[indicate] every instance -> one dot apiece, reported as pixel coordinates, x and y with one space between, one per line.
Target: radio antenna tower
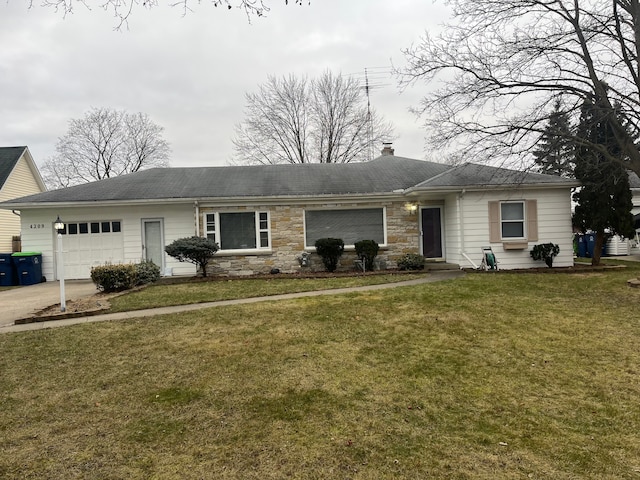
374 77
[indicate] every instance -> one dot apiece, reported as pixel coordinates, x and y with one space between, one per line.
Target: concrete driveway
22 302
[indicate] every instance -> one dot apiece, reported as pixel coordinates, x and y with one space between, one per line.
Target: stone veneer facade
287 239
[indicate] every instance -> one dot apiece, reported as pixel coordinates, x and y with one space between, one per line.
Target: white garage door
91 243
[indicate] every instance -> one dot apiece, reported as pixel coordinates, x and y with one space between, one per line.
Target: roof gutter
481 188
207 200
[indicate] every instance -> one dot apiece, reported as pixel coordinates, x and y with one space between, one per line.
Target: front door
152 242
431 232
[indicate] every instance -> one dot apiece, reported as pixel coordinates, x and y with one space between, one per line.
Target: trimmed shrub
147 272
330 250
546 252
196 250
411 261
114 278
368 251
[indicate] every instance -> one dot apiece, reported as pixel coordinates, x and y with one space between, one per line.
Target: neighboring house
19 176
264 217
634 183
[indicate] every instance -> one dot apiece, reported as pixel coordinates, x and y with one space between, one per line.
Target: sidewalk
430 278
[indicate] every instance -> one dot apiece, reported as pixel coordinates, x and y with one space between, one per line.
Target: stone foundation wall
287 240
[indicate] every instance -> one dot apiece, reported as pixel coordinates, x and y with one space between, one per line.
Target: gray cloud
190 73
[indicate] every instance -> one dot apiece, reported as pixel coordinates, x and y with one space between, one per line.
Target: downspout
15 213
197 206
461 212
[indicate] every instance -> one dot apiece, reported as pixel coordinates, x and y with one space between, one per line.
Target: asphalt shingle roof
385 174
471 174
9 156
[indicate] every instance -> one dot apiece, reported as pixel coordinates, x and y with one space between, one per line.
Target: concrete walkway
432 277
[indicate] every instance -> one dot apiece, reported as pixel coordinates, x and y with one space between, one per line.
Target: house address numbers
36 225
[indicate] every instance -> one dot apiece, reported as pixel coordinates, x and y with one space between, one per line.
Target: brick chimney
387 148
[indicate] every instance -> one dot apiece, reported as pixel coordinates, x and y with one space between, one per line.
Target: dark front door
431 225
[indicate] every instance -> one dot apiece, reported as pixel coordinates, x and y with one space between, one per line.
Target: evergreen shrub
367 250
147 272
546 252
114 278
411 261
196 250
330 250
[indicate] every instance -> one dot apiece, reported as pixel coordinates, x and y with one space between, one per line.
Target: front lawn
217 289
492 376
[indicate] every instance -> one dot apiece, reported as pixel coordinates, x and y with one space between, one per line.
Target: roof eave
505 186
205 200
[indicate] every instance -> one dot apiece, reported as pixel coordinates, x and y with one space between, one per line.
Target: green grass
495 375
162 295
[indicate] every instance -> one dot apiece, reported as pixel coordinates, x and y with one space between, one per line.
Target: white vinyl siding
548 219
178 223
349 225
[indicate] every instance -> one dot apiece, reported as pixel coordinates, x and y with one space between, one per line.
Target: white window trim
350 247
217 234
89 222
524 220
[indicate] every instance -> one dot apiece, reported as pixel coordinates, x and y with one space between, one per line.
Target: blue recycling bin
8 276
590 240
28 267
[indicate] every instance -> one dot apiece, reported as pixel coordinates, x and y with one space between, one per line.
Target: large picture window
350 225
238 230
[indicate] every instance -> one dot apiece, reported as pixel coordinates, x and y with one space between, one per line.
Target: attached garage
91 243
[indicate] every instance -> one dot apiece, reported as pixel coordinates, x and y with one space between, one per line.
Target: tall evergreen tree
604 201
555 152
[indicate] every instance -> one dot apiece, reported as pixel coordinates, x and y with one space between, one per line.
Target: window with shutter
513 221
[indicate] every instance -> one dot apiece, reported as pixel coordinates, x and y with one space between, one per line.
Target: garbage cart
28 267
8 276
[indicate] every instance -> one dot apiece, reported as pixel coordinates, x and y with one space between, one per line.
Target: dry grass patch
490 376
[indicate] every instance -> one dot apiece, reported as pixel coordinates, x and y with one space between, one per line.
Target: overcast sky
190 74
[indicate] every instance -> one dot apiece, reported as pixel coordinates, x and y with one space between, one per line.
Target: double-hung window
512 221
350 225
239 230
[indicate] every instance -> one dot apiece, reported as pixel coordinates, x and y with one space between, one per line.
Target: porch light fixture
59 227
412 208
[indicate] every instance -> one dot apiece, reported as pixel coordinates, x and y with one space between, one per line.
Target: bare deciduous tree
294 120
105 143
504 64
122 10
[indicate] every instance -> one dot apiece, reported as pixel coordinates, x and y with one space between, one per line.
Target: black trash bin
8 275
28 267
